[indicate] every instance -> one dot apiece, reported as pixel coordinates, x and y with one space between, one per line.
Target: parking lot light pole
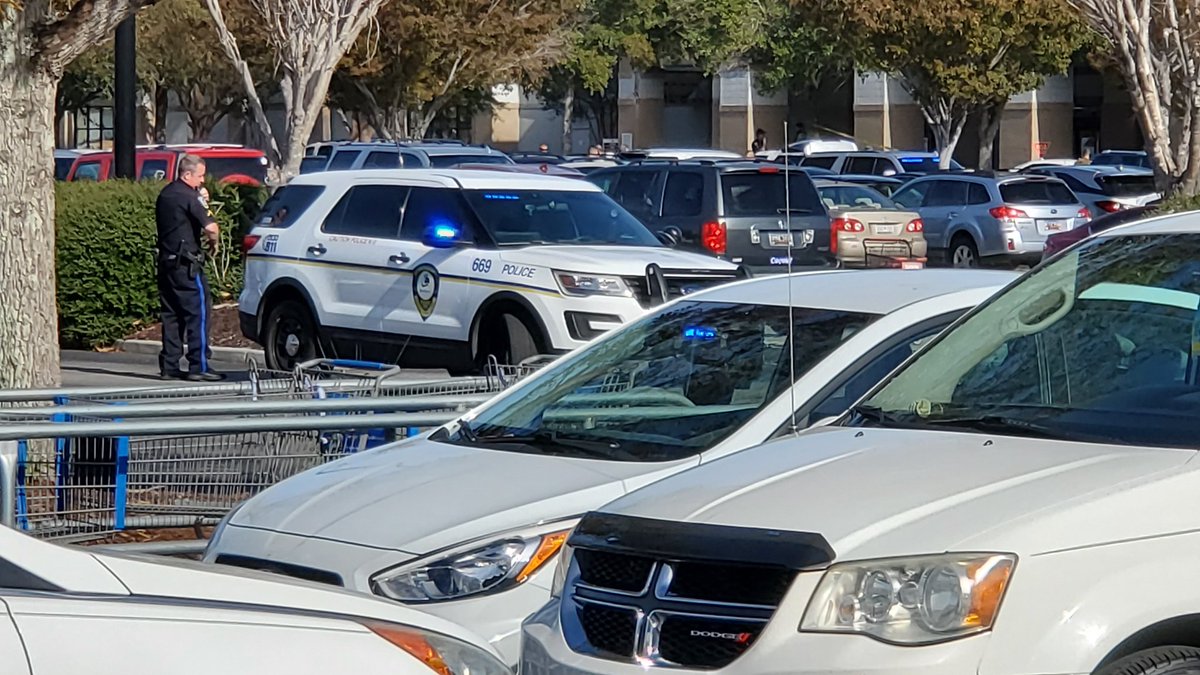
125 99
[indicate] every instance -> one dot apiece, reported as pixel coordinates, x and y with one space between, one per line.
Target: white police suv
444 268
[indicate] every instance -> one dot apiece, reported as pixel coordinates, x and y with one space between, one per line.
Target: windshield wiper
796 210
884 418
1016 426
549 439
466 432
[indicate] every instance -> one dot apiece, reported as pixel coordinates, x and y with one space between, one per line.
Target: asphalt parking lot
120 369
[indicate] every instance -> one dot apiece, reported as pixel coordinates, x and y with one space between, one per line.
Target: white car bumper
781 649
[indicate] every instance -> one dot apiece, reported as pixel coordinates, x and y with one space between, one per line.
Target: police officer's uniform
183 291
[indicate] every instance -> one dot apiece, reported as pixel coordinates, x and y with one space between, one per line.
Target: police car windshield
523 217
669 386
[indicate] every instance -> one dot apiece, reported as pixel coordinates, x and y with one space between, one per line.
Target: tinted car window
912 196
153 169
978 194
223 167
684 194
521 217
344 159
1121 158
764 194
947 193
368 211
863 165
1123 185
429 207
447 161
853 197
381 160
87 171
313 164
1036 192
1094 346
1076 184
287 204
821 162
637 191
925 164
670 386
62 167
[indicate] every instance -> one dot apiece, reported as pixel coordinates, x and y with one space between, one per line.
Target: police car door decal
425 287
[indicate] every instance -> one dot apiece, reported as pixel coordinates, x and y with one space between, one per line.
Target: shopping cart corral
83 464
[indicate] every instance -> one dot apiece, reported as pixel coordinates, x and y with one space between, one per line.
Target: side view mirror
668 238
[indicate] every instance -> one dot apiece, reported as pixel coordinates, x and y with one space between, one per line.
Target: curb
228 356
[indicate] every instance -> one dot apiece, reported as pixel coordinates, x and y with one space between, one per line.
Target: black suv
737 210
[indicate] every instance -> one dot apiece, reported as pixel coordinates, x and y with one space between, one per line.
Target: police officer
184 224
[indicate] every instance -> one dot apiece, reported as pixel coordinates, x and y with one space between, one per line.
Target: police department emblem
425 289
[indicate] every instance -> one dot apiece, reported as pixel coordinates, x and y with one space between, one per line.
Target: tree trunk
989 125
568 115
28 320
162 105
946 132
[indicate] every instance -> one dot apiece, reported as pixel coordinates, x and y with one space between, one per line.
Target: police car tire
508 338
1173 660
299 313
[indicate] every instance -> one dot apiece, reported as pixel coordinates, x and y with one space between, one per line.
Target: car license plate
886 229
1054 225
912 265
780 239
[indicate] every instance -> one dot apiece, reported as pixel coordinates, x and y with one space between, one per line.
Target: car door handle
399 259
953 214
317 250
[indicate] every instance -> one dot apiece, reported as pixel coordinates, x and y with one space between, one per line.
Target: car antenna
791 326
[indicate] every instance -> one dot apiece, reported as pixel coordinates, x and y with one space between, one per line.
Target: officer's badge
425 289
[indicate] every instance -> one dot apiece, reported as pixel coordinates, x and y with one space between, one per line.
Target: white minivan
467 522
1022 497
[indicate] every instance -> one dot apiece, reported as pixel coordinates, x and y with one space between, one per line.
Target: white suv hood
421 496
882 492
619 260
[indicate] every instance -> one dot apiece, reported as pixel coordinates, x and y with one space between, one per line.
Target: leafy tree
88 78
956 57
307 40
426 55
1155 46
648 33
38 39
175 53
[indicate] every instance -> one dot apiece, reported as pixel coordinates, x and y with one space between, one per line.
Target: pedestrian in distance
185 228
760 141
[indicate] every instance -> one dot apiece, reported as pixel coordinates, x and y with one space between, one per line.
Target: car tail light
1084 214
1007 213
1110 207
769 169
917 225
842 225
249 241
712 236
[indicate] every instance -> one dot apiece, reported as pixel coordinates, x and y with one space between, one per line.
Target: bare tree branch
87 23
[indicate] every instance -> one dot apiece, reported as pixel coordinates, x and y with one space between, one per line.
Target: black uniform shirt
180 217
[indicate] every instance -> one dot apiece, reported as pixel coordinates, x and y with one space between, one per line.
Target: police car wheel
290 335
508 338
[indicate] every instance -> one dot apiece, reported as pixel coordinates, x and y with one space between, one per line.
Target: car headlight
560 573
443 654
592 284
501 564
911 600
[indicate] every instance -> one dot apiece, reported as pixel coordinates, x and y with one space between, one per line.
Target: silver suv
969 217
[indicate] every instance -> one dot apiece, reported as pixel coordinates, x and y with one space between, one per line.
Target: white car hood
882 492
186 581
422 495
620 260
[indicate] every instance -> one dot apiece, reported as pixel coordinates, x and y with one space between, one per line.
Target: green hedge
106 236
